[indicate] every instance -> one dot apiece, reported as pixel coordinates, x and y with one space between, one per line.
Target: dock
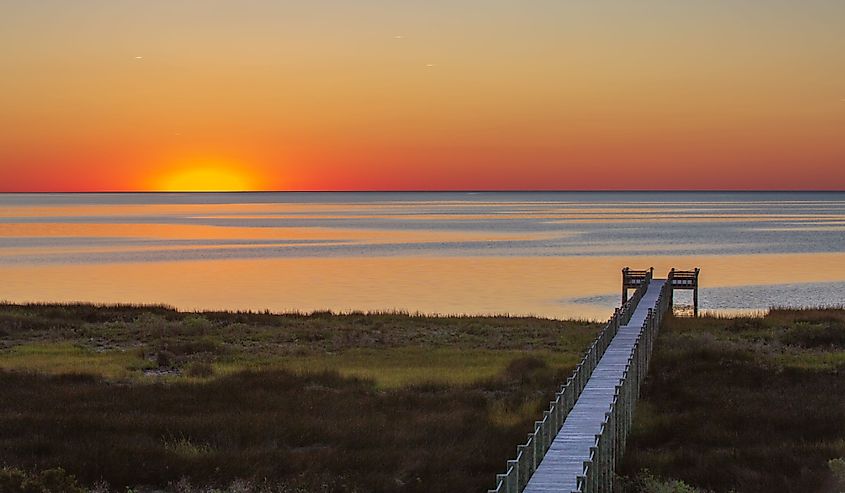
581 439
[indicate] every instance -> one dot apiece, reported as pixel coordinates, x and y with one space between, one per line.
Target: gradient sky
437 94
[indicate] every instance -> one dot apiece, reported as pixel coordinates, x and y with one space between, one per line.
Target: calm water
550 254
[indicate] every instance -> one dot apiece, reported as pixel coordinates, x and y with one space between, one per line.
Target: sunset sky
422 95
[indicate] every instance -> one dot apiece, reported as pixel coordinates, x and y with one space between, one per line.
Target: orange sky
339 95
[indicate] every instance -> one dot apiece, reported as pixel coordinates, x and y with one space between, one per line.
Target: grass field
752 405
157 343
147 397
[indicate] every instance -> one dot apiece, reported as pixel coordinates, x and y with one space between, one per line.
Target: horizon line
597 190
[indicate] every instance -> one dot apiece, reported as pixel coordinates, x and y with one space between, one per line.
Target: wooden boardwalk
564 461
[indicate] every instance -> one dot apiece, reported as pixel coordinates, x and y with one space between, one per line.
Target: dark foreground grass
745 404
233 413
318 432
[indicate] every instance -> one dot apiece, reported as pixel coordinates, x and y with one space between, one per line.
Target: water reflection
546 286
555 255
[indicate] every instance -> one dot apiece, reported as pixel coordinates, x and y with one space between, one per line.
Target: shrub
185 448
13 480
203 345
646 482
151 325
651 484
199 369
837 467
527 369
195 325
815 335
724 412
164 359
525 365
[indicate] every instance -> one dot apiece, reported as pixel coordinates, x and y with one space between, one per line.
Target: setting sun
208 178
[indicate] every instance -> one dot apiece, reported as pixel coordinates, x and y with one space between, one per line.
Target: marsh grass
288 428
393 349
418 365
59 358
396 402
750 405
319 402
185 448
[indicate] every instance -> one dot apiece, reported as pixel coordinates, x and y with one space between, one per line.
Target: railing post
624 285
560 409
588 476
523 466
608 419
513 476
600 461
533 461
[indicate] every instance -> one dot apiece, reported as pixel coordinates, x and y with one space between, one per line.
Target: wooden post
624 285
523 465
587 467
671 289
695 294
533 461
513 476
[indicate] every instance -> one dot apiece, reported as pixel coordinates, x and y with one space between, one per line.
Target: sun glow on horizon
211 177
421 96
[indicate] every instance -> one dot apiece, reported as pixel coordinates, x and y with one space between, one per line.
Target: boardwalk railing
529 455
607 451
686 279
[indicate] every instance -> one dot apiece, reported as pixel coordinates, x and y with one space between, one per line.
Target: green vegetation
150 398
646 483
393 349
14 480
404 366
61 358
837 467
743 404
